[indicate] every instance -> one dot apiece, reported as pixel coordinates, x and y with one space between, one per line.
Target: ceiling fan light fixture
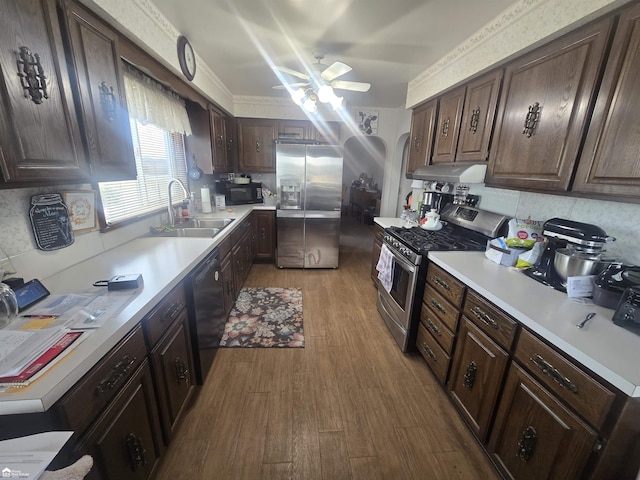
310 105
297 95
336 102
326 94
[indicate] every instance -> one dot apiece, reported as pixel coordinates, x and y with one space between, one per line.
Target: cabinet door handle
220 142
531 120
31 73
445 127
416 143
470 375
484 318
182 372
173 310
108 101
118 372
527 443
137 452
428 351
438 281
230 144
432 326
437 306
475 117
257 147
550 371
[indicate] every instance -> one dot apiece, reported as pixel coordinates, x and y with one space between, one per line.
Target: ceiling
387 42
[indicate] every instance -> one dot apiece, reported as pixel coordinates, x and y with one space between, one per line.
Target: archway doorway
364 158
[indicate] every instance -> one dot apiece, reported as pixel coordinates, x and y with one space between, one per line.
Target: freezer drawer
290 243
322 242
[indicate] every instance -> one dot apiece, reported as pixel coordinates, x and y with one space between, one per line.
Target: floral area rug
265 317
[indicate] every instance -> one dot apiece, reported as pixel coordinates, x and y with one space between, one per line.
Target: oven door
398 301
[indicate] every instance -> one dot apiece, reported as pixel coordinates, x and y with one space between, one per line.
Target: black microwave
240 193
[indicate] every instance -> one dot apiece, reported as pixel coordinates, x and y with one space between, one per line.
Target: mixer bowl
569 263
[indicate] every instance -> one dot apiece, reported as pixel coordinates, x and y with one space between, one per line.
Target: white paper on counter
28 457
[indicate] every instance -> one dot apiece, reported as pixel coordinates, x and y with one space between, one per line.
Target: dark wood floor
349 405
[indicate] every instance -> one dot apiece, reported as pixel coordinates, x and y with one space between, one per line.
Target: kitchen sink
218 223
200 228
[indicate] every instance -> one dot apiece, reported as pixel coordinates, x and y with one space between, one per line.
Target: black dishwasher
206 313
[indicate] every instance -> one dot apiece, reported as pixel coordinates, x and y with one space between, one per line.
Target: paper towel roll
206 200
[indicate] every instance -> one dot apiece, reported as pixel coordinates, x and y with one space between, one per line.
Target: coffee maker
559 233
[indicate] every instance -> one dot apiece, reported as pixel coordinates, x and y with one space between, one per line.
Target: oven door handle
402 261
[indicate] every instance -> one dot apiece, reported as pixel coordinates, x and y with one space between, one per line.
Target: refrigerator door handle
290 213
322 214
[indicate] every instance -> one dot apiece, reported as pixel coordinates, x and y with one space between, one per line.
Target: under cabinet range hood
473 173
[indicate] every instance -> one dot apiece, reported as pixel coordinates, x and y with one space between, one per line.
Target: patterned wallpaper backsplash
619 220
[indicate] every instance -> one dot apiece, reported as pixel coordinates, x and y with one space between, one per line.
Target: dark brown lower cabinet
378 232
476 377
172 363
125 441
535 436
265 234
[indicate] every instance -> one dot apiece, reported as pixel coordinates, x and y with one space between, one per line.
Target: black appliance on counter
560 233
612 282
239 193
464 229
207 317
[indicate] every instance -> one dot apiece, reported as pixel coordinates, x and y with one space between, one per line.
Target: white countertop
163 263
386 222
608 350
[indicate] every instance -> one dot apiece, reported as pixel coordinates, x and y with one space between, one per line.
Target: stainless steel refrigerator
309 202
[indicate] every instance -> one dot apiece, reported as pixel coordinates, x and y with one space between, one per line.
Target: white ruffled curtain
150 102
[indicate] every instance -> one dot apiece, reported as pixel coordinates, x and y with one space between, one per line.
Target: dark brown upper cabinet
255 138
293 130
448 128
40 138
95 58
478 116
544 110
222 156
610 163
423 120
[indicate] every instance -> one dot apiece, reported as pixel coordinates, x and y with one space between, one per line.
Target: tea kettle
431 221
8 305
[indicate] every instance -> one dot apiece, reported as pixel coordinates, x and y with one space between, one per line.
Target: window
158 119
159 157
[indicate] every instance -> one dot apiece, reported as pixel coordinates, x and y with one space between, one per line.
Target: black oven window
400 287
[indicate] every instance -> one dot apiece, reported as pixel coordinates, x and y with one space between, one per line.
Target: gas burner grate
450 237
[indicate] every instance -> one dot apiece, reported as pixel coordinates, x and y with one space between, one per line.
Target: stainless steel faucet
172 213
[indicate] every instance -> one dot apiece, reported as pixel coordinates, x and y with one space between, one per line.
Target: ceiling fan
319 83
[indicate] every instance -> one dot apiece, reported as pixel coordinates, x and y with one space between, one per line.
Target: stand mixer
580 239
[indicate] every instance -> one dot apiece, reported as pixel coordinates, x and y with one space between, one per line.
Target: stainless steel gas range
465 229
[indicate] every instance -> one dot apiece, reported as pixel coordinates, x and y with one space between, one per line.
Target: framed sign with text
82 210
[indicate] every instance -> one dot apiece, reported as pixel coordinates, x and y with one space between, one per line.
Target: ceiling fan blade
334 70
290 71
347 85
291 85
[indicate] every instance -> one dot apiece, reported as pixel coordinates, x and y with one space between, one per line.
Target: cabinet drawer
238 233
437 329
435 356
89 396
445 284
582 392
224 248
492 321
162 316
441 307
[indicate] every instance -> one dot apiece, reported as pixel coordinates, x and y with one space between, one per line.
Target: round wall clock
186 57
